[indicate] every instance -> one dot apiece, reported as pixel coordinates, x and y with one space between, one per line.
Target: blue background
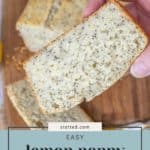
131 140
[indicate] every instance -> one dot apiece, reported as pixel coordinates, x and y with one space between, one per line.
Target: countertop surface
1 85
2 115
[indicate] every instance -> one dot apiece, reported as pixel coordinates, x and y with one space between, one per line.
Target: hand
140 10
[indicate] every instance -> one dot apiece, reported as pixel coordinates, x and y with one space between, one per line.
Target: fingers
141 18
141 67
144 21
133 10
92 6
145 5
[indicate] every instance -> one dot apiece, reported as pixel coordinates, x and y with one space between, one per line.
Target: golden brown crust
82 111
101 8
35 12
12 96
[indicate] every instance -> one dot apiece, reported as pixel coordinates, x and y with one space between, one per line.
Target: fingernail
139 70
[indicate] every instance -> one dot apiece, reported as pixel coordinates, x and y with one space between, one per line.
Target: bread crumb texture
22 98
86 61
17 57
43 21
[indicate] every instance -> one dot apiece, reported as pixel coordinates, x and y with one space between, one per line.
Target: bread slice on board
42 21
86 61
23 100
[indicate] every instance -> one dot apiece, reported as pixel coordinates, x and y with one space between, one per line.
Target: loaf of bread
42 21
86 61
23 100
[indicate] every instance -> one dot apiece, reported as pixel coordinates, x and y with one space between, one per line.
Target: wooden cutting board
127 101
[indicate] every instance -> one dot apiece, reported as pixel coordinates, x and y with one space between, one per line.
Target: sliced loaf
42 21
87 60
23 100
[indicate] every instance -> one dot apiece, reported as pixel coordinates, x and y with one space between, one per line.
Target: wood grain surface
127 101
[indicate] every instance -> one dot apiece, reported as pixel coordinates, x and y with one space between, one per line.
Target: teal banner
105 140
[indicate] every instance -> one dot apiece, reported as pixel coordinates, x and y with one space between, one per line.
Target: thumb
145 5
141 67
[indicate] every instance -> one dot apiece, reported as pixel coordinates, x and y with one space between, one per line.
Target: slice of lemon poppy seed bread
24 101
42 21
86 61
